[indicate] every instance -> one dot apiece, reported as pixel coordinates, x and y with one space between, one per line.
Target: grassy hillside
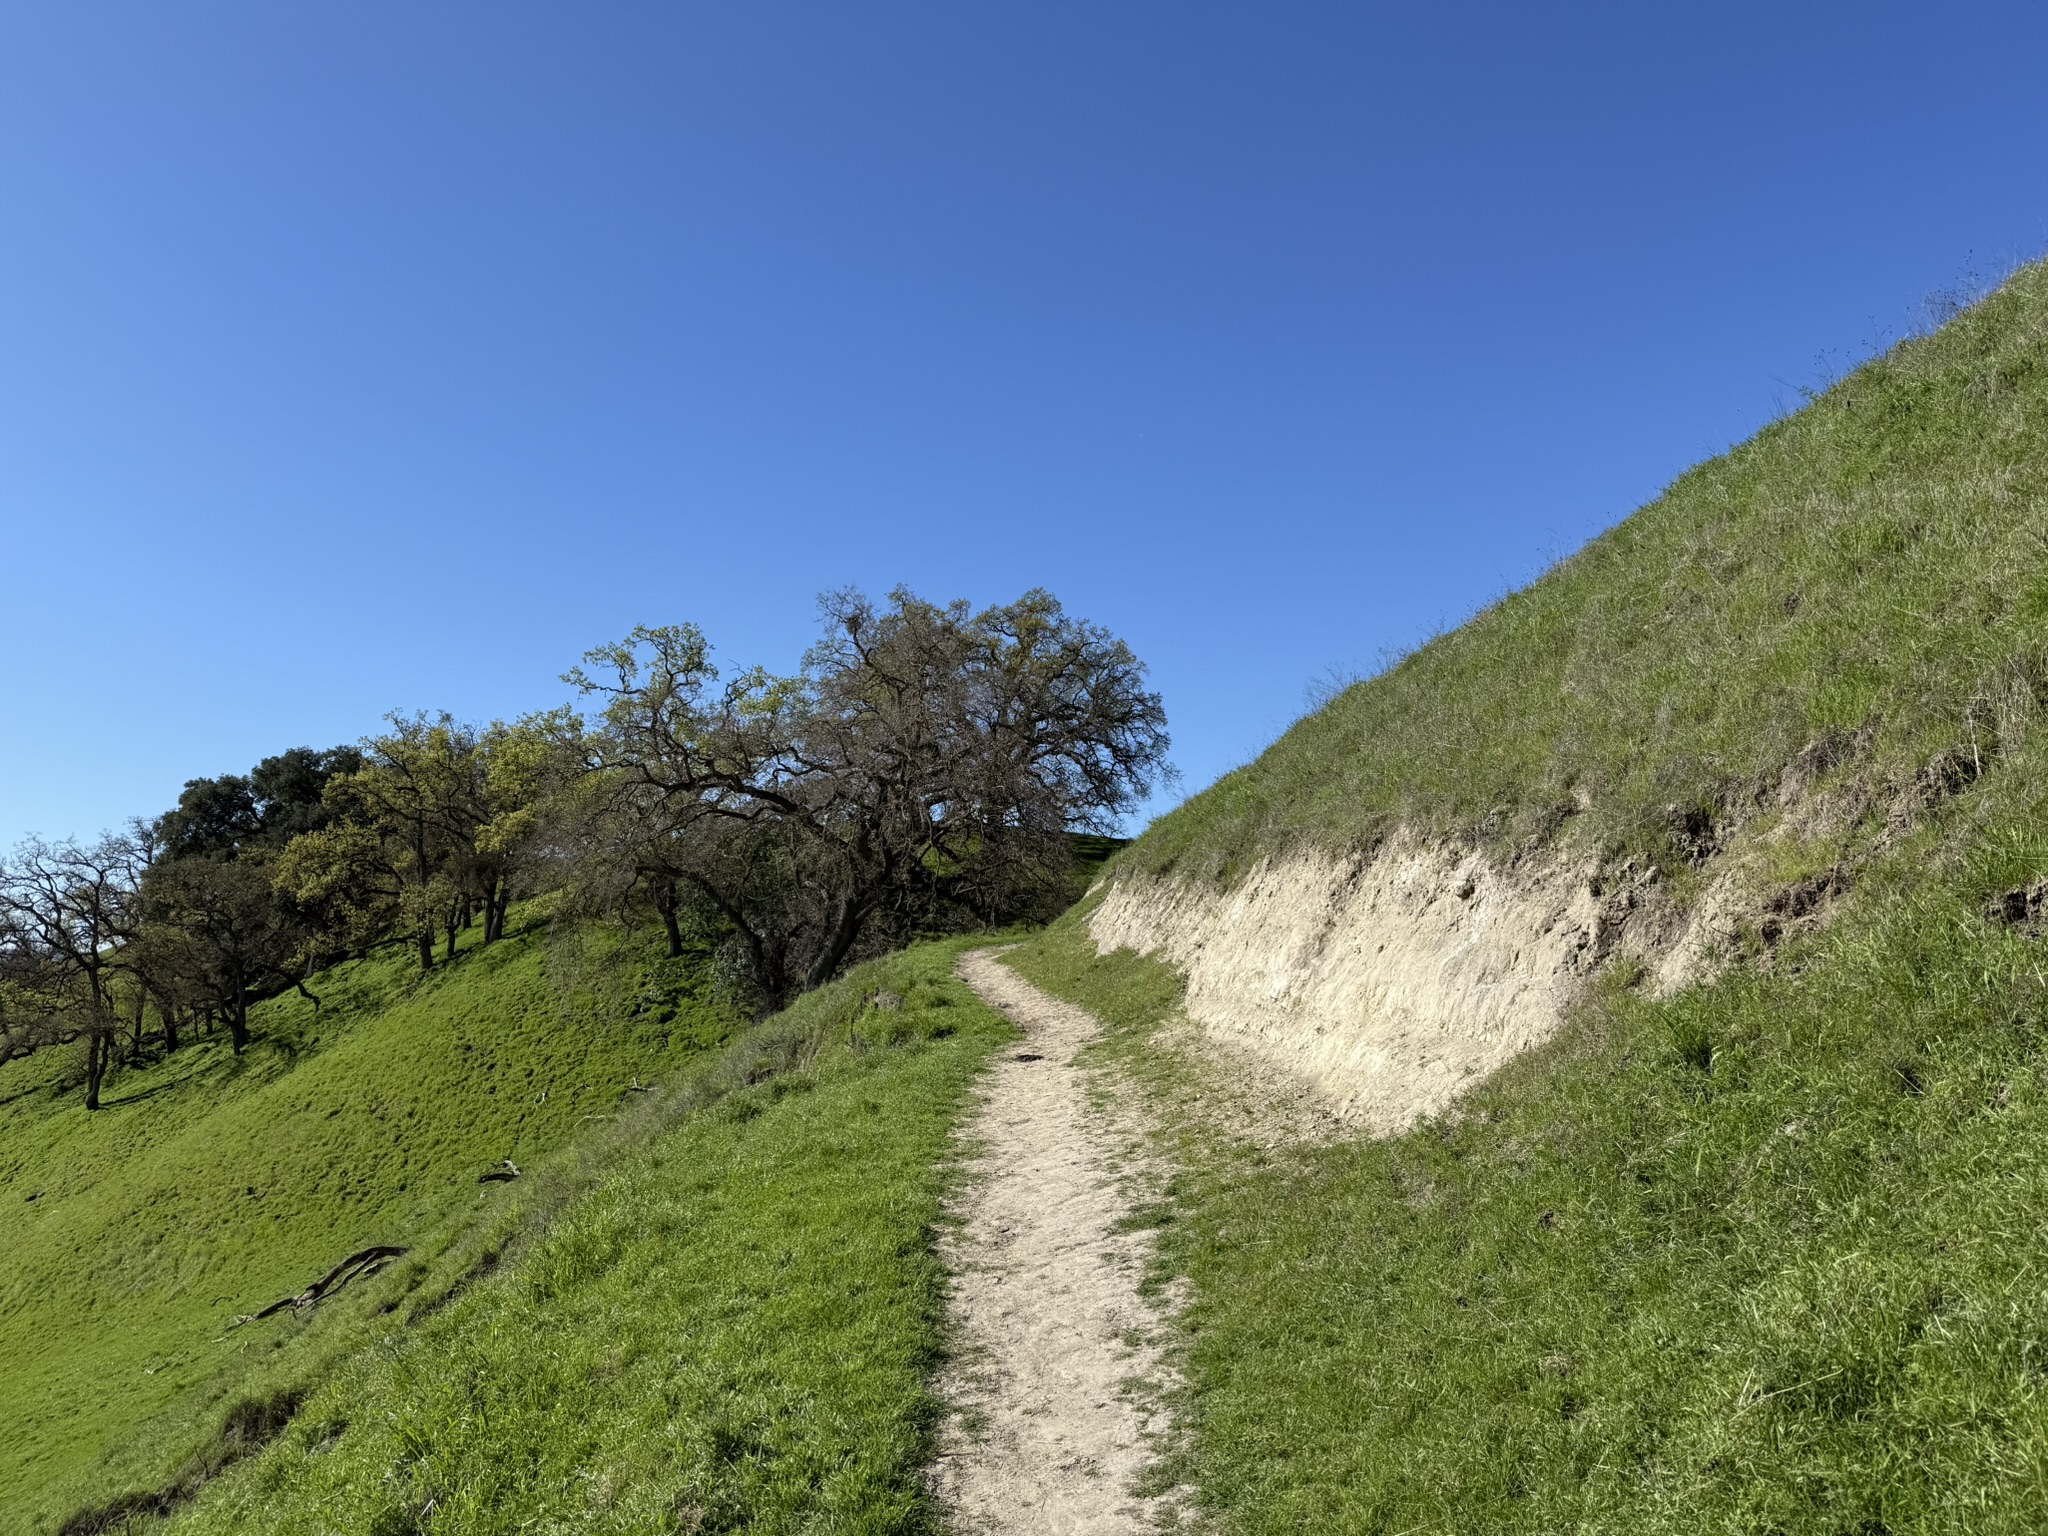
708 1305
140 1240
731 1330
1768 1255
211 1186
1869 576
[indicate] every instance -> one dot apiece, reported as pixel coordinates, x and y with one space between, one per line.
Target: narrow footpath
1054 1397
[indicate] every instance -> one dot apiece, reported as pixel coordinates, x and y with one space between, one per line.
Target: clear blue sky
372 356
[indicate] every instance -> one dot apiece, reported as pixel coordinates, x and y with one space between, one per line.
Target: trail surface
1054 1396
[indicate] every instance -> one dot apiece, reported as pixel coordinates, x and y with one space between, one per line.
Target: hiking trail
1055 1394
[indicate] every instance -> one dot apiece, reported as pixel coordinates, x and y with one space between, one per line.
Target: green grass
211 1186
732 1329
1872 570
1767 1256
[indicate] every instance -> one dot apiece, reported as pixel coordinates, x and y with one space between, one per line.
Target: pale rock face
1386 983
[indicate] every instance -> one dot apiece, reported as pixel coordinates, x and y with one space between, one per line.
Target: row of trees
176 915
922 772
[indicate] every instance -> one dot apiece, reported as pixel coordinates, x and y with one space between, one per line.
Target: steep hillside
709 1302
1866 573
1680 744
731 1328
1677 924
140 1239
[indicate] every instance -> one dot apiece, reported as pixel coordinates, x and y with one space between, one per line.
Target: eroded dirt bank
1387 981
1054 1396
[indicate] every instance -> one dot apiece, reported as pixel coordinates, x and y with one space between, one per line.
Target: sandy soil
1055 1392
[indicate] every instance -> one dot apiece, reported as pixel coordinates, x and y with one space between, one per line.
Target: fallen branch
357 1266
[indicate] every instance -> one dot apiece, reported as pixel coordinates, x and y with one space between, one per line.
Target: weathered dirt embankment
1391 980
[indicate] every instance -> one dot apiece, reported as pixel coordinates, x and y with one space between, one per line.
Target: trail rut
1055 1394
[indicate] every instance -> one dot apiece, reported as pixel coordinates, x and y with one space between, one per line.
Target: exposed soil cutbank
1389 981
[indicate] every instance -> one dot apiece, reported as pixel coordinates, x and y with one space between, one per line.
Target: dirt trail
1054 1395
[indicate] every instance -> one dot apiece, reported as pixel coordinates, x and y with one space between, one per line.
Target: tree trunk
666 903
427 947
496 900
767 963
238 1009
168 1014
98 1046
238 1021
845 929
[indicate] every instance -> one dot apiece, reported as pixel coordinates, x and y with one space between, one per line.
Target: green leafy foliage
922 775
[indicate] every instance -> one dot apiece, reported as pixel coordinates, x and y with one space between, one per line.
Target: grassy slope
1765 1256
1876 560
732 1330
1771 1256
210 1186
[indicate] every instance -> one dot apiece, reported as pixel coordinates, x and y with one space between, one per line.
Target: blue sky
367 357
